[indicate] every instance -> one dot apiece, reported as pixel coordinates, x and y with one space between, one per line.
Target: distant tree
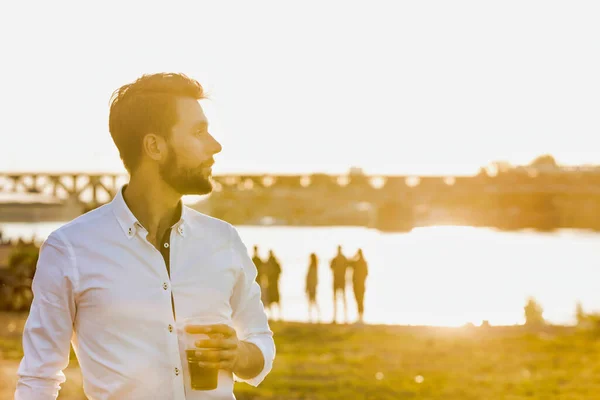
534 313
23 260
544 161
21 269
586 320
500 167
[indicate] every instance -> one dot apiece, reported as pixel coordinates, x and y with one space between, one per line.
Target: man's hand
225 351
221 351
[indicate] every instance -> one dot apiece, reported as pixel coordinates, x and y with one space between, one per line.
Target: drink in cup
197 377
201 378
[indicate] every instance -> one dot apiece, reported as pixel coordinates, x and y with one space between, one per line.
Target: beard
186 181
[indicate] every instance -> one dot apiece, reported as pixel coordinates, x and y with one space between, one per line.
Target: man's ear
155 146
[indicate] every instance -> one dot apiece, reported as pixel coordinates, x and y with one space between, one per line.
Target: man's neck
154 204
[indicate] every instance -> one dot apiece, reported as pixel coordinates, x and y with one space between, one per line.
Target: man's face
187 168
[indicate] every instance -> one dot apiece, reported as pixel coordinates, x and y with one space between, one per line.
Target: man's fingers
216 344
208 355
224 365
215 356
197 328
216 365
220 328
205 364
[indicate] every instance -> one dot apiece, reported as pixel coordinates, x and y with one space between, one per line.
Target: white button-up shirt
103 287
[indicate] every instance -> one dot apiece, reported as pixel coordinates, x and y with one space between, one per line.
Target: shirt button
165 286
170 328
176 371
166 245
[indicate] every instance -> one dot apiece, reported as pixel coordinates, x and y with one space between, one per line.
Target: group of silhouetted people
267 278
269 272
339 267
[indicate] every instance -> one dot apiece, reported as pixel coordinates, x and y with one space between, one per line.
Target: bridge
242 197
88 188
97 188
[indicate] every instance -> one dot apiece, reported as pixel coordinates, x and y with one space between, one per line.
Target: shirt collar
129 222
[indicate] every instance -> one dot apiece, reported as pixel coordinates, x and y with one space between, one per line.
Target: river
443 275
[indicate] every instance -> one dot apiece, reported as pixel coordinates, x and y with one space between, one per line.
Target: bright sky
393 87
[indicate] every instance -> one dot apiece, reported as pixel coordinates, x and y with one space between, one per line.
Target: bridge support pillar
394 216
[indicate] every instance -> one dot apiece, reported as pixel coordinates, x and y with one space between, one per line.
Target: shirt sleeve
249 318
49 327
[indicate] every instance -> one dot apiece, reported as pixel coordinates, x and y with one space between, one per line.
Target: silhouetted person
273 271
360 271
311 287
261 277
258 264
339 264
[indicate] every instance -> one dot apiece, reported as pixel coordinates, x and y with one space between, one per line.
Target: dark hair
147 105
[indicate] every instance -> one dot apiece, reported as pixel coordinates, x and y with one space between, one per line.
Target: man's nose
216 146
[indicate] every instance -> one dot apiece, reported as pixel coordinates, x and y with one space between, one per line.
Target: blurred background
454 143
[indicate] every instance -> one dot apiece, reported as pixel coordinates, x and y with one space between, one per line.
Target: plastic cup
197 377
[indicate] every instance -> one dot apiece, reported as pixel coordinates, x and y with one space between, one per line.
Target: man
312 280
115 280
273 272
360 271
339 265
258 264
261 277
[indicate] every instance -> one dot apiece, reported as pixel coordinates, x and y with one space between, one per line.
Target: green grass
385 362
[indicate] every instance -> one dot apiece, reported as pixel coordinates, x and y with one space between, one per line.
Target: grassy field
388 362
